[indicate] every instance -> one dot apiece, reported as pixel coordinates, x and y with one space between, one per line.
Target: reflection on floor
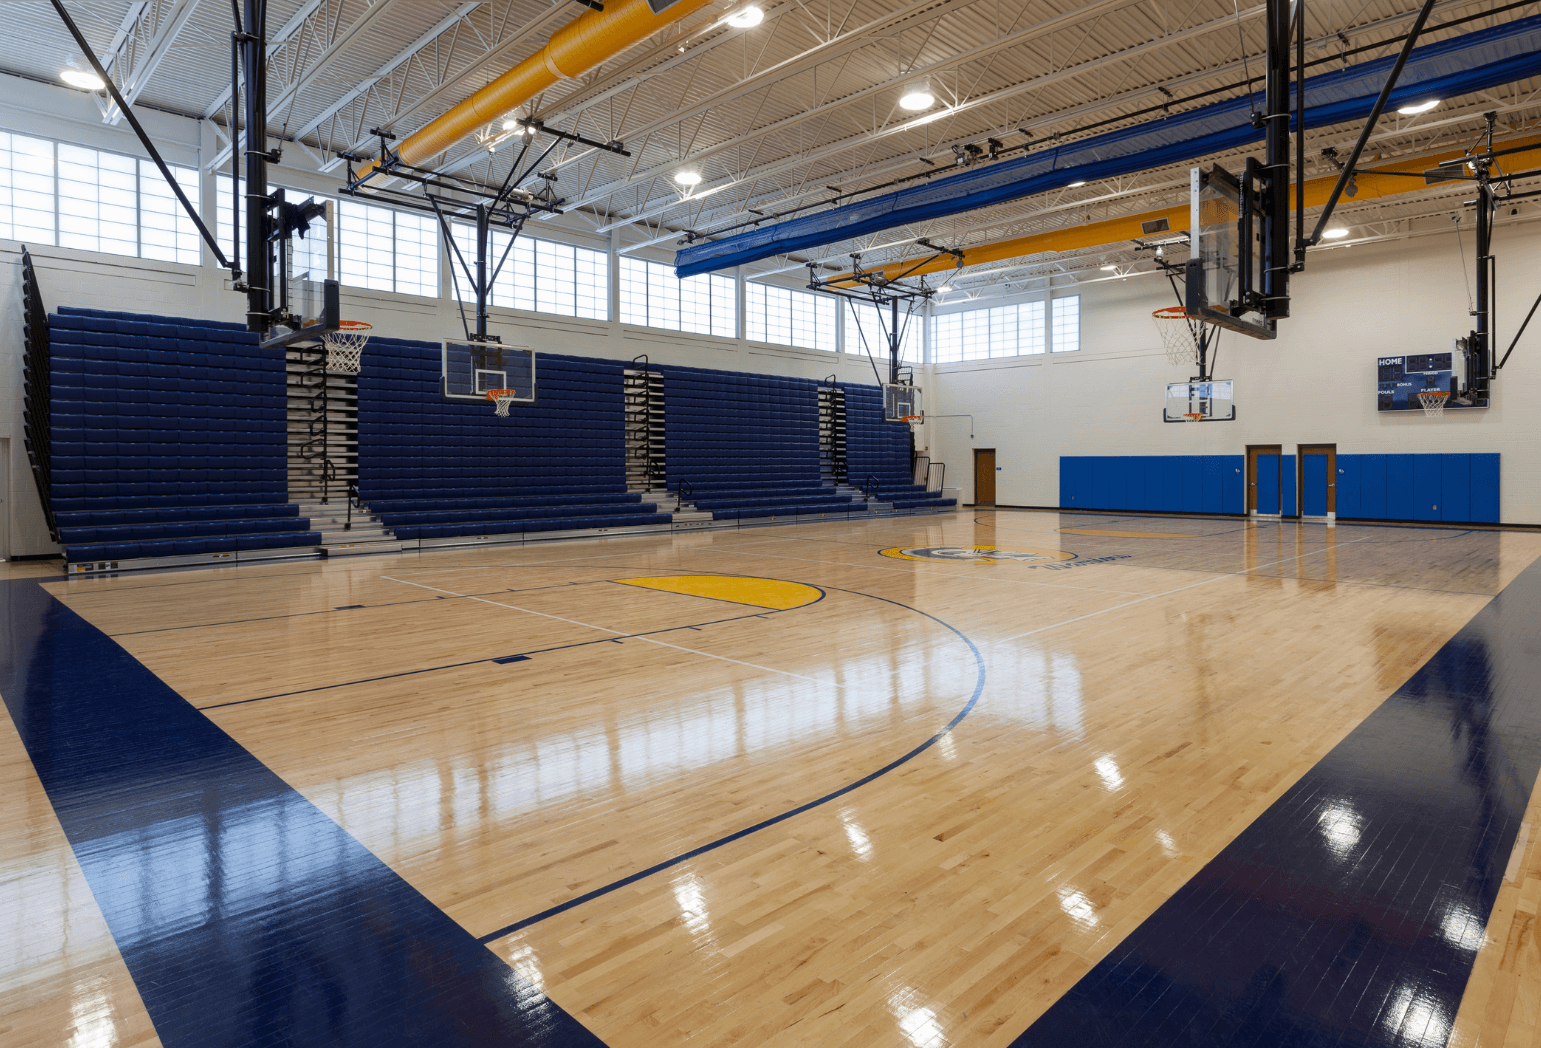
704 790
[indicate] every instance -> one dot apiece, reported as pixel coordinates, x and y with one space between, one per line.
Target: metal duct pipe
1373 183
580 45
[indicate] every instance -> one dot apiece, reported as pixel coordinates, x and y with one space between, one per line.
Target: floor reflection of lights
1078 907
691 897
861 844
1416 1020
1107 768
1340 826
917 1022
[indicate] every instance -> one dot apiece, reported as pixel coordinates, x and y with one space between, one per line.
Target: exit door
1264 495
1319 480
984 476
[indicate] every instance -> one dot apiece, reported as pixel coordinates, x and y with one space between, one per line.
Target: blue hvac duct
1446 69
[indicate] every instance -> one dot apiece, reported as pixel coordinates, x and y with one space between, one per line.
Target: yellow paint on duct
573 50
1095 234
736 589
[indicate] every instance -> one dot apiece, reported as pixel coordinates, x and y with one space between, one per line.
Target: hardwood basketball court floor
994 778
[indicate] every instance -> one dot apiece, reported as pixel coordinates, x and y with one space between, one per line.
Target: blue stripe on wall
245 915
1350 912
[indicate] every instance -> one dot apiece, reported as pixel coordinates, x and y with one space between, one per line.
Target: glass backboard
1213 401
471 369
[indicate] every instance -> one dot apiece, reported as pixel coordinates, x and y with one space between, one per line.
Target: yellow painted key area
736 589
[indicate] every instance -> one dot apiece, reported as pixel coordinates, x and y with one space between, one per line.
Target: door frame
977 452
1253 450
1331 451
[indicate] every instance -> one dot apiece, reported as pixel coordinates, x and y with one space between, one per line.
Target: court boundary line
979 685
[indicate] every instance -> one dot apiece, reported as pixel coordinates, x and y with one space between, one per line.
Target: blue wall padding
1460 65
1459 488
1152 483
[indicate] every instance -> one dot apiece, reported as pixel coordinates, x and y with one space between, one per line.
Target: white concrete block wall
1314 384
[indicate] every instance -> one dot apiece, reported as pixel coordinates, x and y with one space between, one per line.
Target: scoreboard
1399 380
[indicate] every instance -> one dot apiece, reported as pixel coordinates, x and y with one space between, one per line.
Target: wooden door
1264 494
1318 467
984 476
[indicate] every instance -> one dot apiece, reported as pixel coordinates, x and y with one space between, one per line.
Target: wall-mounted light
688 177
748 18
82 79
917 97
1419 107
1335 233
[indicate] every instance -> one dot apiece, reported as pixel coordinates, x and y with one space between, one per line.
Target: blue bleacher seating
168 438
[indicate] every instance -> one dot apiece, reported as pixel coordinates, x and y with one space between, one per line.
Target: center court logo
977 554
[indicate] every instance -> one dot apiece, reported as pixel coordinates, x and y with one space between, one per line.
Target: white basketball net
345 347
1433 404
1177 337
502 406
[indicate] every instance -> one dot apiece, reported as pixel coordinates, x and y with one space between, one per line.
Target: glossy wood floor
1133 708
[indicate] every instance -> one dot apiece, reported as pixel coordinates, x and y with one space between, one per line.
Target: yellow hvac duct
1371 184
573 50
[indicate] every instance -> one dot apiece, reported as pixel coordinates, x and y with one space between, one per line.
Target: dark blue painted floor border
245 915
1350 912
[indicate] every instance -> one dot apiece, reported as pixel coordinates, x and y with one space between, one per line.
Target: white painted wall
1314 384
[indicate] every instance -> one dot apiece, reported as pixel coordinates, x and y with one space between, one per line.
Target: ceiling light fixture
1075 185
1110 269
917 98
688 177
1420 107
1336 233
748 18
942 289
82 79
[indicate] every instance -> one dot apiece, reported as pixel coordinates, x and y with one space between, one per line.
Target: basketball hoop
1433 403
502 398
1193 416
345 347
1177 335
912 419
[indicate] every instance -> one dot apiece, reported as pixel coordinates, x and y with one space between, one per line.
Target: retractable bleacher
878 454
441 471
168 443
747 446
